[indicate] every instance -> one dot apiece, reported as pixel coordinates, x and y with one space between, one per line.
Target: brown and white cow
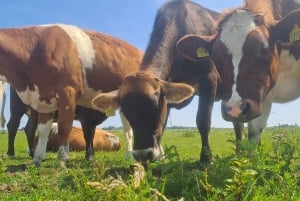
103 140
167 79
56 67
88 118
256 52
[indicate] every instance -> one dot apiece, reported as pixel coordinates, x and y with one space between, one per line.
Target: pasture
270 173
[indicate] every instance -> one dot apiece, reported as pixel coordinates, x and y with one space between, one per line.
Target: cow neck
16 46
161 48
158 56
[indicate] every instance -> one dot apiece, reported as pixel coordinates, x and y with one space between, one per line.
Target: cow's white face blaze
247 76
246 59
229 36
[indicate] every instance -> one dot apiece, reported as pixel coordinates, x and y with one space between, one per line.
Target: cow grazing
89 120
166 79
57 67
256 52
103 140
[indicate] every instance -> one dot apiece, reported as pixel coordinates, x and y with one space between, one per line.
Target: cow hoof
63 153
31 153
89 158
63 164
37 162
10 156
10 153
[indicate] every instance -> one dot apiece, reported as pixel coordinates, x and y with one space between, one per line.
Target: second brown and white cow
256 51
56 67
88 118
166 79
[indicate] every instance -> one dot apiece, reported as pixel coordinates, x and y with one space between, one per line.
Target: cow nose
236 111
143 155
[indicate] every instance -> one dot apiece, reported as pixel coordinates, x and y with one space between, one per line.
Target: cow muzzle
150 154
241 111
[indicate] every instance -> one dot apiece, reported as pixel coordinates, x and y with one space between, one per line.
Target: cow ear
287 29
107 103
176 93
194 47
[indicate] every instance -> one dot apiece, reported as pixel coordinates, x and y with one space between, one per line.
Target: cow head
245 53
143 99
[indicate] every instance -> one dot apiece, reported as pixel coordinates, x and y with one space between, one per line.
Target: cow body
256 51
88 118
146 97
56 67
103 140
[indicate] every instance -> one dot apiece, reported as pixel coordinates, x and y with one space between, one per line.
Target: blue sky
130 20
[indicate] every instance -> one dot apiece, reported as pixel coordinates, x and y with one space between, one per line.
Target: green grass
271 172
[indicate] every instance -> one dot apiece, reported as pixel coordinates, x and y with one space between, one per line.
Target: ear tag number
202 52
295 34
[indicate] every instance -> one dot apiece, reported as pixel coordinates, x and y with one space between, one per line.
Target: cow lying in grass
103 140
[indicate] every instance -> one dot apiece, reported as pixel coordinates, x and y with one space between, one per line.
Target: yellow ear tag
295 34
202 52
110 112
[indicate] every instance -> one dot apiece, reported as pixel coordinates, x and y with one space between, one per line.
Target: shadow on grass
16 168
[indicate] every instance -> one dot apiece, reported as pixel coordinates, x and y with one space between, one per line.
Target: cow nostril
244 107
227 108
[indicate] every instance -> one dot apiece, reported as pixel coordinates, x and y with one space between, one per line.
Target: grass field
271 172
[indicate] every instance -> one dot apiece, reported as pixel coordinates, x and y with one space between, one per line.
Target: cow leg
89 120
17 110
89 133
256 126
12 127
44 126
66 105
30 129
203 121
239 134
128 136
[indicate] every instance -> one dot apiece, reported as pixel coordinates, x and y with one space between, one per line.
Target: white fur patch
113 140
87 56
54 128
3 78
234 33
287 86
32 98
297 1
128 136
83 43
43 132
